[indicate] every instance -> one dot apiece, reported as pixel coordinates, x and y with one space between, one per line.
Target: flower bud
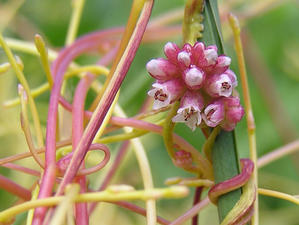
184 58
222 64
193 78
233 113
171 51
211 55
161 69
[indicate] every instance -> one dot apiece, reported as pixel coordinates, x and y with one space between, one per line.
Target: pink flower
196 75
214 113
189 111
162 69
166 92
226 112
219 85
233 113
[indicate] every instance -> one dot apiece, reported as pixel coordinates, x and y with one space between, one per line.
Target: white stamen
189 115
161 96
224 86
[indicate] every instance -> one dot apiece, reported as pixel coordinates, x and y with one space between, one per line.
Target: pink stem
233 183
139 210
84 44
192 212
196 200
138 124
78 127
118 159
14 188
21 169
107 99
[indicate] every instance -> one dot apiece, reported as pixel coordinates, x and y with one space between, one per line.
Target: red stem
107 99
196 200
233 183
14 188
84 44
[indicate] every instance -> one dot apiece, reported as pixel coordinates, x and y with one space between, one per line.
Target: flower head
196 75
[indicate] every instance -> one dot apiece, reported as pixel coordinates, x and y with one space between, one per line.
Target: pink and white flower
214 113
166 93
196 75
189 111
219 85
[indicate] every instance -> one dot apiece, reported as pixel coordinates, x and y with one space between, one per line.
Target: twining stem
224 151
61 210
192 212
107 98
171 192
94 69
248 108
136 9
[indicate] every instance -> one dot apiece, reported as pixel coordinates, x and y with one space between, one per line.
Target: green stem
225 164
224 151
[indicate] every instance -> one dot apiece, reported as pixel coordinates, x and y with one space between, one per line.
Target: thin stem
139 210
61 210
21 169
168 130
171 192
75 20
137 6
196 200
248 108
94 69
277 194
41 47
24 83
278 153
145 171
191 212
107 98
11 187
26 128
10 9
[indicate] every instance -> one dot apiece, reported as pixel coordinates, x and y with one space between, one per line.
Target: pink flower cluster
203 83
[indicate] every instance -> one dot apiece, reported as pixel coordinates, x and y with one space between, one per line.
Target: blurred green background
271 42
